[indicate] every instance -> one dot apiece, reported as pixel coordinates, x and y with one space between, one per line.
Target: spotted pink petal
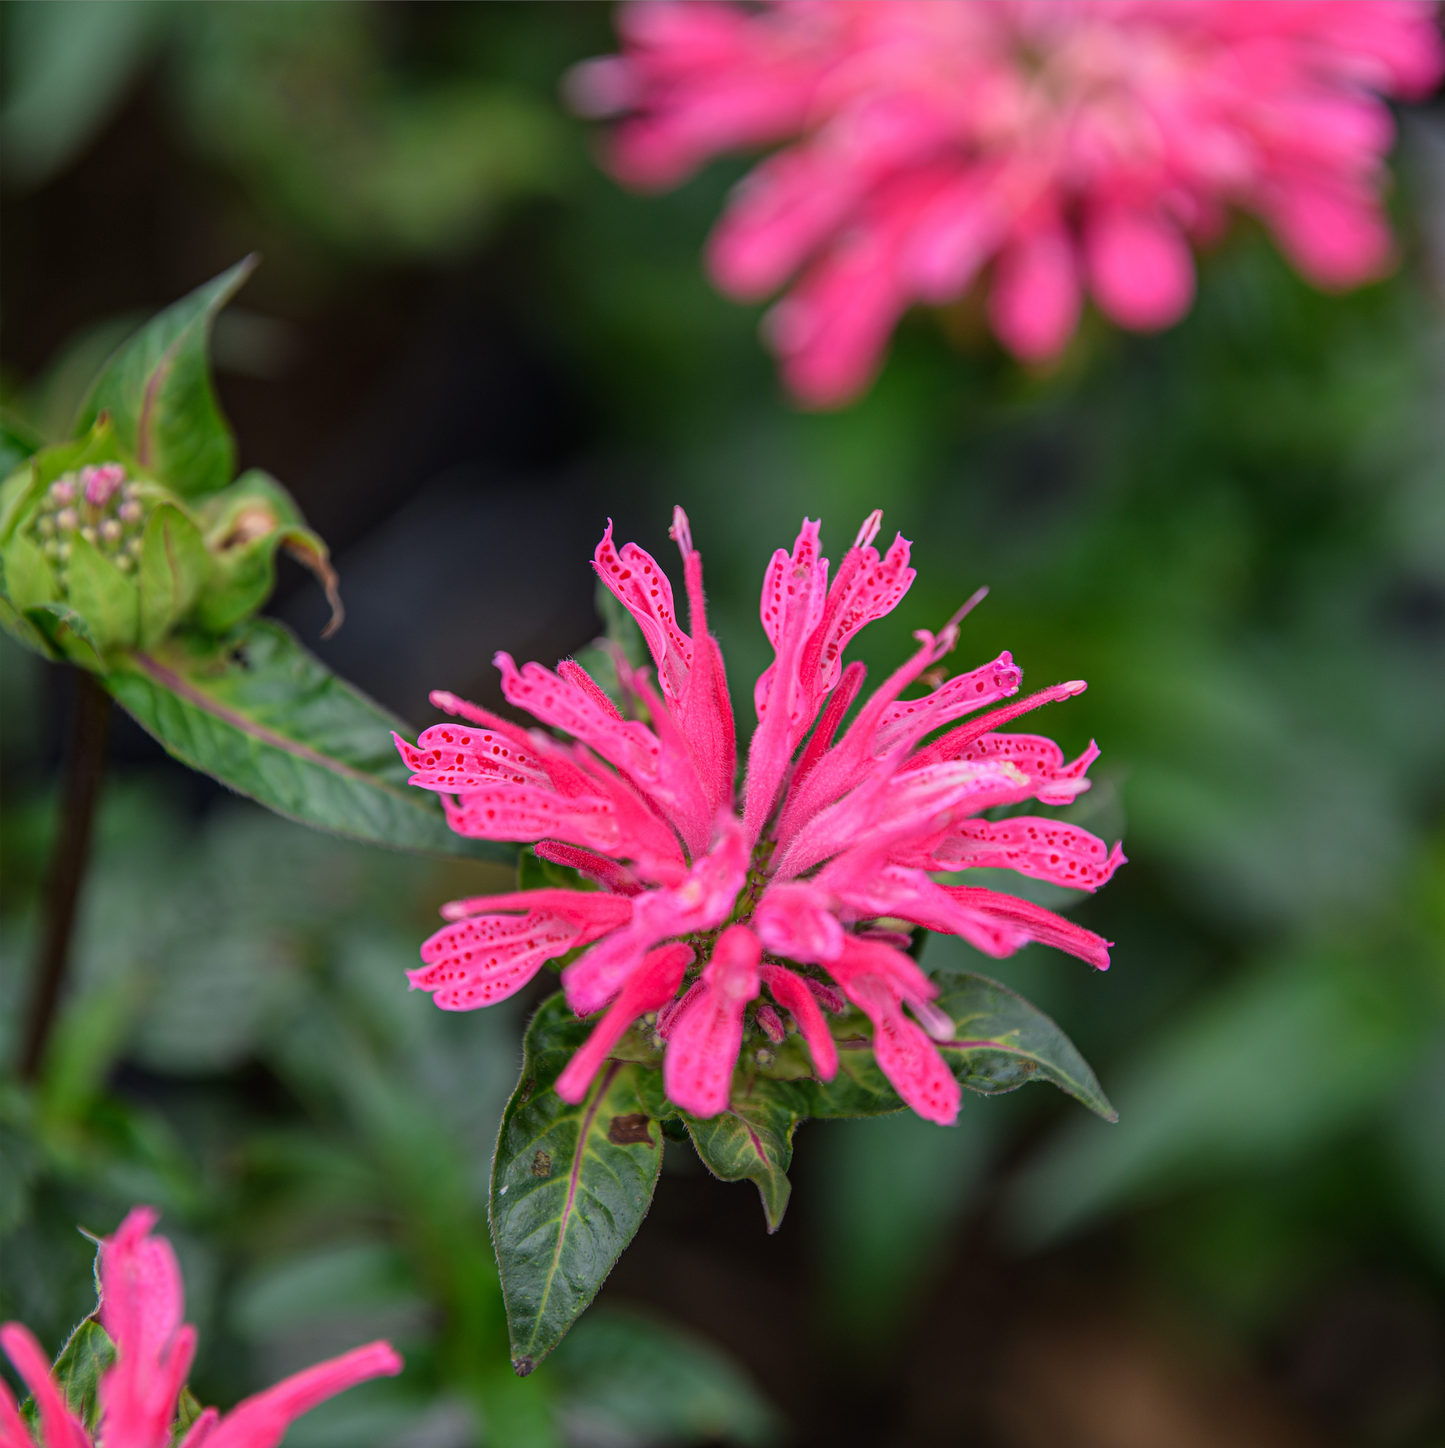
651 985
483 958
1034 922
905 1054
642 588
703 1046
1045 849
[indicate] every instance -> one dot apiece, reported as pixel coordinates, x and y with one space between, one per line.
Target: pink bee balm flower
729 915
141 1301
1071 144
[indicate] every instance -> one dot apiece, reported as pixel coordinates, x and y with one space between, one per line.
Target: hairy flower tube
730 913
1071 145
141 1302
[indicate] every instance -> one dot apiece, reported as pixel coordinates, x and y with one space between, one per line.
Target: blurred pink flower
141 1302
838 829
1070 143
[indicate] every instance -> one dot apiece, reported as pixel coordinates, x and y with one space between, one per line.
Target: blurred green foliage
1235 531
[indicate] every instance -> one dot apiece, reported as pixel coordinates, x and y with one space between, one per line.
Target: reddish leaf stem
84 772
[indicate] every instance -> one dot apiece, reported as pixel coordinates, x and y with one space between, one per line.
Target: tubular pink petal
796 921
617 879
839 702
956 741
13 1432
703 1045
1040 924
1034 302
904 1053
793 994
261 1421
653 984
1140 269
201 1430
59 1428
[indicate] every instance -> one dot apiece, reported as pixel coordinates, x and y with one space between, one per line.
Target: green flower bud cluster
100 503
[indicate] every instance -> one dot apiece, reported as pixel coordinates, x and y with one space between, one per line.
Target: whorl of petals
805 886
1069 147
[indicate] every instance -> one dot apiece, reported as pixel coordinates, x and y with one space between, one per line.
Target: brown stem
84 771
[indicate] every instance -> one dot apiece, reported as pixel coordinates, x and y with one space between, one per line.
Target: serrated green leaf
257 712
1003 1042
173 565
29 579
570 1184
103 596
753 1141
157 391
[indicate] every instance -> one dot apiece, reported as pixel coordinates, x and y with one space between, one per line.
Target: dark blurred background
466 349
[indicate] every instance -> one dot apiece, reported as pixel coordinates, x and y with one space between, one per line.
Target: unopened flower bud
66 519
101 483
131 511
62 491
45 525
111 531
89 533
125 563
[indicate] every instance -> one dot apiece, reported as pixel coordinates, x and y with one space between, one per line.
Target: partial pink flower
719 915
1070 145
141 1302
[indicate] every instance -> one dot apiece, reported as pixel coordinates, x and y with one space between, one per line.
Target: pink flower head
727 915
141 1302
1071 144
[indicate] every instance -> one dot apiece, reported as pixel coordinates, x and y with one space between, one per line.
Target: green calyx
99 557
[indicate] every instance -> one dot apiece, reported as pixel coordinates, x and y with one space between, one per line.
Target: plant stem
84 771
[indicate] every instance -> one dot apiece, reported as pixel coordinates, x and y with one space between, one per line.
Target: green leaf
753 1141
570 1184
88 1352
103 596
257 712
1003 1042
29 579
157 391
173 565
